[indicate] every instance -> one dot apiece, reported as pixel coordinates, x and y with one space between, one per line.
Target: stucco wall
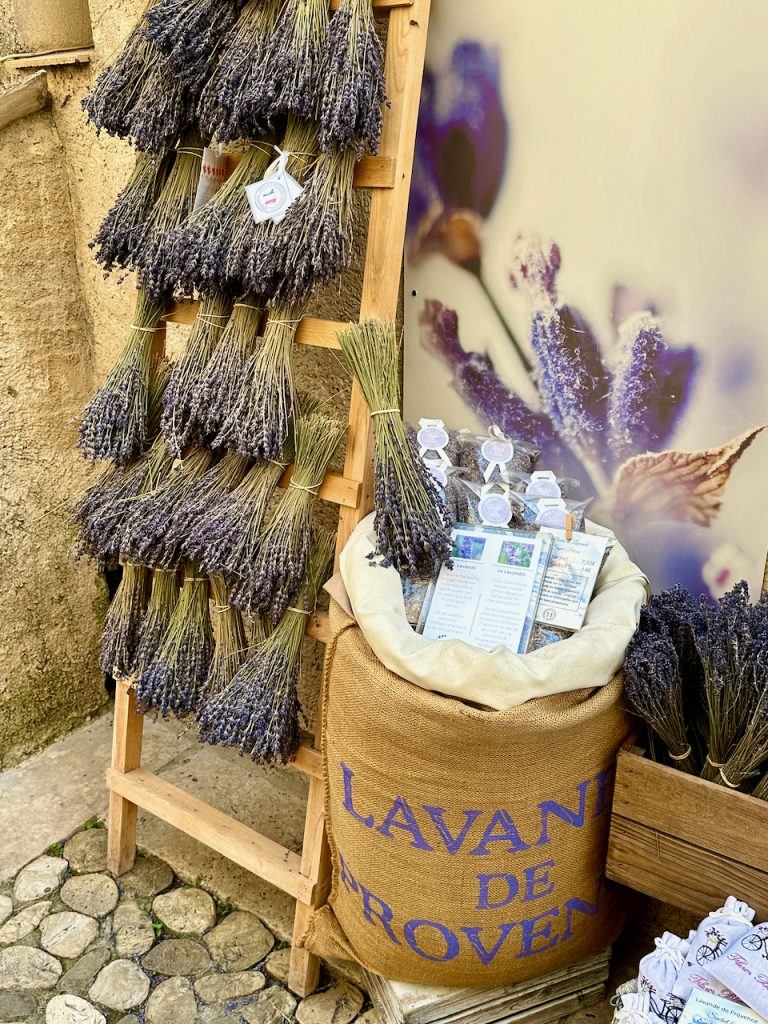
82 174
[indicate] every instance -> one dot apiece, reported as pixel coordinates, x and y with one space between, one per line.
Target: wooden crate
686 841
536 1001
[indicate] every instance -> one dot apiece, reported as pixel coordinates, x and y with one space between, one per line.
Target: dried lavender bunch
173 206
172 682
314 242
353 86
262 416
750 753
120 638
203 497
654 687
227 539
411 523
109 104
224 108
146 536
208 247
288 79
259 710
122 228
114 422
286 539
220 381
179 423
726 648
190 32
162 603
230 644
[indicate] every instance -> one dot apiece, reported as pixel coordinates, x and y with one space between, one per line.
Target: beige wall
57 180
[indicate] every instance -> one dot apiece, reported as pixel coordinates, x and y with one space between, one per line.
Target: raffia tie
681 757
312 489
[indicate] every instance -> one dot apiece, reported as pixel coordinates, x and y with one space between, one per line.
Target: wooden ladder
306 877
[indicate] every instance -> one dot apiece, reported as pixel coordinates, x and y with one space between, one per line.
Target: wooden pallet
306 877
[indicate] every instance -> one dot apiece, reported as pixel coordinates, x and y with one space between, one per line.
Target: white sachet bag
658 974
743 968
713 936
633 1008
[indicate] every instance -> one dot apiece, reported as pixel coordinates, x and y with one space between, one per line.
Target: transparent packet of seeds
494 457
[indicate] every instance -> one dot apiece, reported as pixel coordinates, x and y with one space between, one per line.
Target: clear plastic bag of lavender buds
495 457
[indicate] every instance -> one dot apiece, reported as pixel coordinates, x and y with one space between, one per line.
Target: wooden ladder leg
304 973
126 756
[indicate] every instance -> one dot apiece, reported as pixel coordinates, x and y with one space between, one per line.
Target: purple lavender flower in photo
651 386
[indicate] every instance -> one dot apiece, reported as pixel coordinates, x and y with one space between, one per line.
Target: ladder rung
381 4
311 331
370 172
308 759
337 489
246 847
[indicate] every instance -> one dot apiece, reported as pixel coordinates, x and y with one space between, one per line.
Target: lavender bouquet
209 248
204 496
220 380
173 680
121 230
114 422
353 87
225 110
189 33
411 523
286 540
259 710
179 423
261 416
157 619
230 645
122 627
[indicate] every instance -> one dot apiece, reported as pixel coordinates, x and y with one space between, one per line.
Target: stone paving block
95 895
24 967
339 1004
67 934
39 879
82 974
69 1009
185 911
121 985
172 1002
239 942
86 851
177 958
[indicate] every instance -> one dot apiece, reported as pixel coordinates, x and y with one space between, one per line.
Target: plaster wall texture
59 182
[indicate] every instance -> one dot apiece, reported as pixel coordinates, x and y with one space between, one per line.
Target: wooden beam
370 171
311 331
308 759
380 5
222 833
56 58
25 97
126 757
339 490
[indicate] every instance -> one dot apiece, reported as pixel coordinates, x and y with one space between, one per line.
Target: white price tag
272 197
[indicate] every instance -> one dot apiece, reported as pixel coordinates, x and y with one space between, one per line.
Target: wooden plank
370 171
304 971
680 873
25 97
308 759
378 5
128 730
311 331
56 58
220 832
337 489
692 809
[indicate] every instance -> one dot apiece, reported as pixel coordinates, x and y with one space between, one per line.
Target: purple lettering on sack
575 818
348 805
451 942
762 979
574 904
487 955
534 878
484 900
346 876
604 792
384 914
401 816
531 933
452 844
741 962
509 834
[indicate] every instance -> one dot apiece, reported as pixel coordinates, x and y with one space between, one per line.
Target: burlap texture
468 845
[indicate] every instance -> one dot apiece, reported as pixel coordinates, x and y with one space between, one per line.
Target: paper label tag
272 197
543 484
432 438
213 174
494 510
552 512
437 471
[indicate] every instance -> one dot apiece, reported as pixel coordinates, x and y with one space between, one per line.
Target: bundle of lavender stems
284 545
114 423
259 710
697 673
411 523
173 680
122 627
157 618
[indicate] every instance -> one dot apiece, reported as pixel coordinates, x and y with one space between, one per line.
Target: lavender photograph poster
587 260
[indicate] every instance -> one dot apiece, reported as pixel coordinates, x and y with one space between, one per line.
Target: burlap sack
468 845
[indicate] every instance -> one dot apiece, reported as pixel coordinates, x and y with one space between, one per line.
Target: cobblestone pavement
79 946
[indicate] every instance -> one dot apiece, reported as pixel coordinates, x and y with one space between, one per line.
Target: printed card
703 1008
570 578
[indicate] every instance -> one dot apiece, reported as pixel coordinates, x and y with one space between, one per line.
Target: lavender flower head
120 638
650 388
535 268
189 32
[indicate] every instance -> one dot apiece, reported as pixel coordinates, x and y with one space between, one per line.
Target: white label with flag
271 197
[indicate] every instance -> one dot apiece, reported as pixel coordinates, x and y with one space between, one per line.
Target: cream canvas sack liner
501 679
